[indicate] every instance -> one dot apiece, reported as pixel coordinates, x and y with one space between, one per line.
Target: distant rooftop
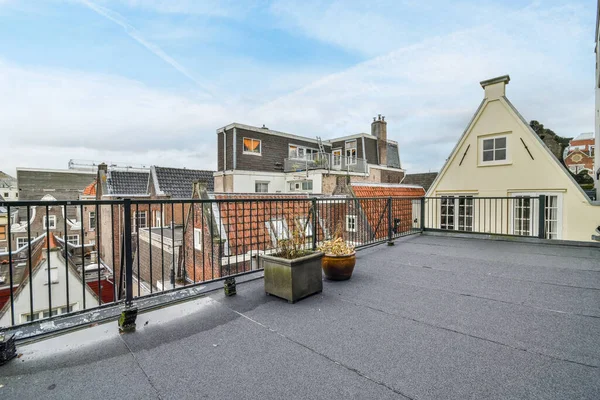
177 182
584 136
121 182
429 318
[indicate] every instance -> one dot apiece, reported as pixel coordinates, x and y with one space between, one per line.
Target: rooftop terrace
431 317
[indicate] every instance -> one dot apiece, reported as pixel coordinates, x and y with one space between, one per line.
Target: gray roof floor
429 318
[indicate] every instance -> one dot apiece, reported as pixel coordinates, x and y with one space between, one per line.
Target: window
2 232
278 229
252 146
526 211
296 186
351 223
351 152
305 225
6 194
158 220
337 158
92 241
300 152
92 217
261 187
50 222
494 149
139 220
53 276
73 239
22 241
47 313
198 238
456 213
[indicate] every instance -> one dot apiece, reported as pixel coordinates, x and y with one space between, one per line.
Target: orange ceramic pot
338 268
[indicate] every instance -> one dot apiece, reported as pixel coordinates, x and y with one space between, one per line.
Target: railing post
314 223
422 214
129 314
542 217
390 242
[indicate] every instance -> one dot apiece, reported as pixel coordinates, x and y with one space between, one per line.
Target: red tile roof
246 223
90 190
375 211
387 190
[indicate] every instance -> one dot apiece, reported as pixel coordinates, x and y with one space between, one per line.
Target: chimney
379 130
93 257
495 87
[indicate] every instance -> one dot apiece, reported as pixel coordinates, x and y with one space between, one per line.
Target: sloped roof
424 179
63 184
90 190
123 182
386 190
177 182
246 223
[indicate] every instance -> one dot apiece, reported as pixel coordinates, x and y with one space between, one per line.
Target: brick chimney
379 130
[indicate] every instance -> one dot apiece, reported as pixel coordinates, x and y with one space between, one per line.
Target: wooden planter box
293 279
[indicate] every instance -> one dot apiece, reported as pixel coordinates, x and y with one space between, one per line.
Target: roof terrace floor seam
137 362
351 369
435 326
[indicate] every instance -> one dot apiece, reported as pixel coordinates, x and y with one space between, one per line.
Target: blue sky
149 81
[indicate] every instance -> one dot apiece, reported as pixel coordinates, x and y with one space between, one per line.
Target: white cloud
430 90
50 116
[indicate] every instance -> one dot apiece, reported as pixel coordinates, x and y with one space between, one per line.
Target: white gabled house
499 155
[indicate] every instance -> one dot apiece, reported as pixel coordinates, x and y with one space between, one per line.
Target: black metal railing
67 257
532 216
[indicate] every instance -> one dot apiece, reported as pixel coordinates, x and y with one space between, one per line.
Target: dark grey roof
424 179
61 184
177 182
134 183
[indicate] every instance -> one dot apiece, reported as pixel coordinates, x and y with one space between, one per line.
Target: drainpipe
224 150
234 155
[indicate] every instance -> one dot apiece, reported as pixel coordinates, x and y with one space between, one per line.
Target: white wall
243 181
12 193
58 290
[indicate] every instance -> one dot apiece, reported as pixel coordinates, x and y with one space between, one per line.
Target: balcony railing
105 262
326 161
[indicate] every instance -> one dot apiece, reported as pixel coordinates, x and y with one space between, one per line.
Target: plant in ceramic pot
294 271
339 259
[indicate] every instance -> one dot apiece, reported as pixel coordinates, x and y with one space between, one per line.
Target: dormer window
252 146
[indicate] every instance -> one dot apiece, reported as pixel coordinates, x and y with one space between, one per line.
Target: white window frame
506 160
41 314
92 227
198 239
534 213
70 239
298 186
351 223
256 183
135 220
158 219
351 151
336 156
23 240
451 201
297 152
92 242
250 152
52 219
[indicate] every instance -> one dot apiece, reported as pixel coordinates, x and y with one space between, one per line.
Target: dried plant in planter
294 247
336 247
